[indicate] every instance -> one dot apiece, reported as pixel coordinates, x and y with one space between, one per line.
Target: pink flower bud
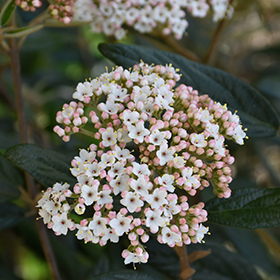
134 242
145 238
105 115
96 207
123 211
66 138
67 121
75 129
132 236
184 228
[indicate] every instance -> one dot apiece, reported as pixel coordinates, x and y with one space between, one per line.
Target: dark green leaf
46 166
9 172
10 177
124 275
246 208
8 191
250 245
10 215
6 12
255 111
222 264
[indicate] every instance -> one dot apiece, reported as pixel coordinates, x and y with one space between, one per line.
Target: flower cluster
178 137
62 10
28 5
144 16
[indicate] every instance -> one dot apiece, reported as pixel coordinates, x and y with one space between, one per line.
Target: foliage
54 60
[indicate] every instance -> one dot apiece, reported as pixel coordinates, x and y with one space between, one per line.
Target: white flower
52 207
85 156
179 162
233 117
109 137
219 146
140 169
239 135
213 129
123 135
199 8
98 225
61 224
45 215
133 76
107 160
110 107
136 258
104 197
84 233
116 170
129 117
205 116
190 180
171 208
90 193
110 234
198 140
157 137
157 199
154 220
118 93
164 154
92 170
141 94
83 90
170 237
167 181
120 224
132 201
200 233
120 184
122 154
138 131
141 186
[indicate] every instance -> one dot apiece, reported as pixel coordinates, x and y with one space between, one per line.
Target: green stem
87 132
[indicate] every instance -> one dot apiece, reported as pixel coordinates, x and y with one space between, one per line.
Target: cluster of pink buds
109 17
72 117
62 10
178 137
28 5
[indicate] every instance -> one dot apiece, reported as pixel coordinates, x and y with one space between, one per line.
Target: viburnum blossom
136 177
110 17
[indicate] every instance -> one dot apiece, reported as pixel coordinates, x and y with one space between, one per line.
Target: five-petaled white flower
170 237
132 202
138 132
120 224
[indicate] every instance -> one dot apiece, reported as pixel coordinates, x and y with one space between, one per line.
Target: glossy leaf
8 191
255 111
6 12
23 31
246 208
46 166
10 178
10 215
222 264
